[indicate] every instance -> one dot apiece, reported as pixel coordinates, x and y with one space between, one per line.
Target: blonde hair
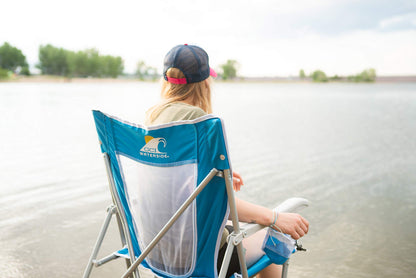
197 94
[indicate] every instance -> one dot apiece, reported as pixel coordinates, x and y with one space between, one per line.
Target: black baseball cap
192 60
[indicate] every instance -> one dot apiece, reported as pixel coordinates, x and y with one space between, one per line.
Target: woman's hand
289 223
237 181
293 224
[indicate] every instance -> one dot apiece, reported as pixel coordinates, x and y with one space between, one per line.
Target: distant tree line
61 62
368 75
88 63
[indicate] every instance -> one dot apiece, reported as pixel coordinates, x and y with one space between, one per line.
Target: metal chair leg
285 268
110 211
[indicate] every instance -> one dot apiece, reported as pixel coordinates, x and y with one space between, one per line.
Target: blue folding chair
172 194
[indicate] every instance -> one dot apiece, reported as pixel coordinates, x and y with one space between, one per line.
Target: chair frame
235 238
112 210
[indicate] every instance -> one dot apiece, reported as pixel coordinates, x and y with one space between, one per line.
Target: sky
267 38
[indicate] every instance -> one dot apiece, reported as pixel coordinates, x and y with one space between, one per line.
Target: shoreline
60 79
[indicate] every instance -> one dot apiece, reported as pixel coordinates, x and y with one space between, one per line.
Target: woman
186 95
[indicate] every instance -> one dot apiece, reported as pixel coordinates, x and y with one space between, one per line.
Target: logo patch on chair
151 149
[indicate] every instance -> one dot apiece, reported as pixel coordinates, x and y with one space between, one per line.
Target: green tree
58 61
229 69
78 64
25 71
144 71
152 73
335 78
319 76
94 63
53 60
12 58
71 63
4 74
141 70
368 75
111 66
302 74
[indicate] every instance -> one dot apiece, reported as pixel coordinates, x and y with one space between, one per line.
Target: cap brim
212 72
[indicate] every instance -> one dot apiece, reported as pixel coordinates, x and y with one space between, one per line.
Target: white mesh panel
154 195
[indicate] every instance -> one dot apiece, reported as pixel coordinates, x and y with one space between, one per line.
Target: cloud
401 22
340 17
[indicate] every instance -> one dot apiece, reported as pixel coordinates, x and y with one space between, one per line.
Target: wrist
273 219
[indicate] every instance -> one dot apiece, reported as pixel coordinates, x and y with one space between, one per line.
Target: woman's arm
290 223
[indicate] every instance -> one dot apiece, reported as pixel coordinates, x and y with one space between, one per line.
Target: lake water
348 148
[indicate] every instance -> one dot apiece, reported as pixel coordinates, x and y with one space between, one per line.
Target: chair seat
262 263
123 253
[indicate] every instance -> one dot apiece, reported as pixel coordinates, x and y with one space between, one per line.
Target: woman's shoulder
187 108
183 111
178 111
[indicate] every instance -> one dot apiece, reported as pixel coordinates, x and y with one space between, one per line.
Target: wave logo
151 149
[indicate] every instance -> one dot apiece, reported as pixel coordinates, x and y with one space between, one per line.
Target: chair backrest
154 170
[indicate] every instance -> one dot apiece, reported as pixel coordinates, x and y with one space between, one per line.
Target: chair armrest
289 205
292 205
